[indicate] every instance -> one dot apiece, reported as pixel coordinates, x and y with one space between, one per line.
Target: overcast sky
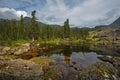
82 13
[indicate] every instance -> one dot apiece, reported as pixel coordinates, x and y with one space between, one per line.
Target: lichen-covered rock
43 61
26 45
52 74
20 50
115 61
99 71
4 50
18 69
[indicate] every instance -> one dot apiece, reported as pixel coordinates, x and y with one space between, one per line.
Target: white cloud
7 13
80 12
88 13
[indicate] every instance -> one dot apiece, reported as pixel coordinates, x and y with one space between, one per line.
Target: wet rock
74 62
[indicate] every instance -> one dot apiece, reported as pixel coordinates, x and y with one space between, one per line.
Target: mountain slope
116 23
28 19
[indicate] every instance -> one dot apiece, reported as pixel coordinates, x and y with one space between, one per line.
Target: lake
73 60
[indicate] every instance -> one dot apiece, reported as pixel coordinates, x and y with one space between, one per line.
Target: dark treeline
15 30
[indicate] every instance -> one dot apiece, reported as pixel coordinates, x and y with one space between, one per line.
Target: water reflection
81 56
78 57
74 59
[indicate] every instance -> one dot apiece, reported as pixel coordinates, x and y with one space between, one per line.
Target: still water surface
71 61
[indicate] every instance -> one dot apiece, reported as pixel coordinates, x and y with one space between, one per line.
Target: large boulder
99 71
4 50
18 69
43 61
26 44
21 49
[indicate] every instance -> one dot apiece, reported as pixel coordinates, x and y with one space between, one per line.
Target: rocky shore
18 69
23 62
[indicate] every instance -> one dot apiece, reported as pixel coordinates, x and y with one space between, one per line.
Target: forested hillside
29 29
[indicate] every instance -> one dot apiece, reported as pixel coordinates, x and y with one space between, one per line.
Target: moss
99 71
13 42
11 56
52 74
43 61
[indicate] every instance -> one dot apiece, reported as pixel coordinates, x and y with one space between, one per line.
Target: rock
26 45
74 62
43 61
20 50
52 74
99 71
18 69
62 69
1 53
5 50
106 59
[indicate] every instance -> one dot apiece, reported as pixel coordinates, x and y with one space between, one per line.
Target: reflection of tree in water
70 49
67 53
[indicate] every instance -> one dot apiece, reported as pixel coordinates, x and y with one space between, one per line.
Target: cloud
82 13
7 13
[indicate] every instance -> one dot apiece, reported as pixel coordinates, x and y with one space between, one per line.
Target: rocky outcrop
99 71
17 50
106 49
4 50
18 69
115 61
43 61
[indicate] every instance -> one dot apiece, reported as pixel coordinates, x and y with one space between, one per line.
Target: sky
81 13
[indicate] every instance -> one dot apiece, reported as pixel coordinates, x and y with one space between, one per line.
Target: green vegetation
52 74
66 29
14 32
99 71
43 61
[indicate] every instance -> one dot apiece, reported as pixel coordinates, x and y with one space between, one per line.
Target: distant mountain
116 23
109 33
28 19
101 26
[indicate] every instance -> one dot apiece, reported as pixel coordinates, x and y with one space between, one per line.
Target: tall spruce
22 28
66 29
34 27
